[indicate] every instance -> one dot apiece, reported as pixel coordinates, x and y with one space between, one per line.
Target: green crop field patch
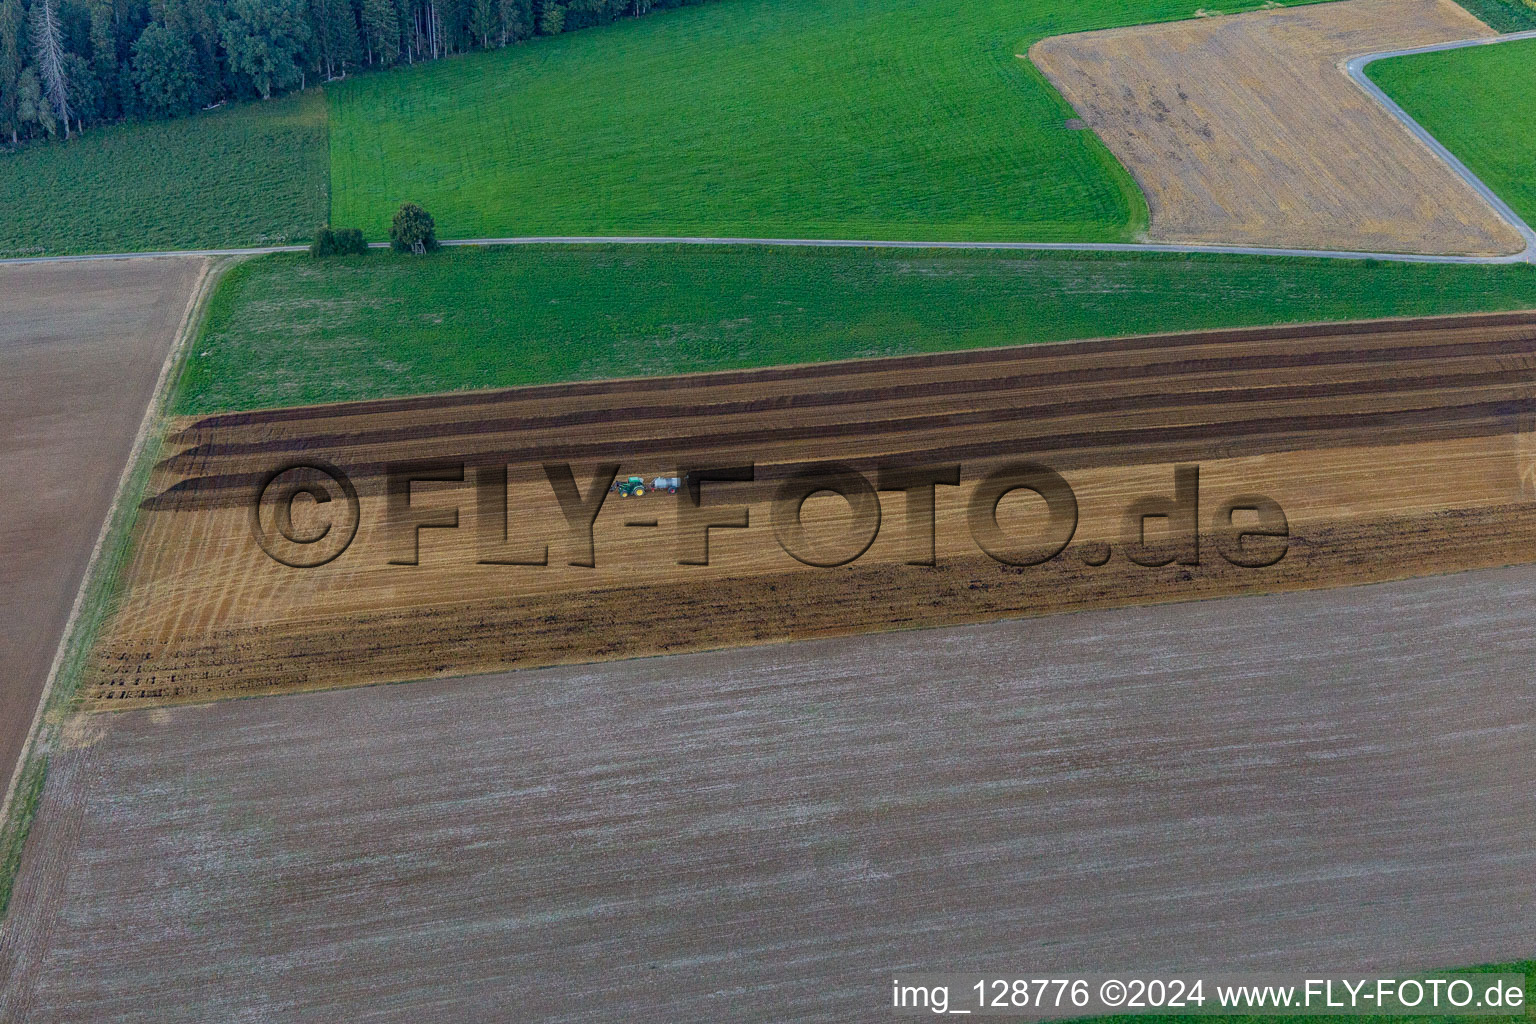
245 175
1481 103
289 330
821 118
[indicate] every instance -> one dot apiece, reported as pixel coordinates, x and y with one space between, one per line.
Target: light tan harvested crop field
81 347
1246 130
1335 780
1395 449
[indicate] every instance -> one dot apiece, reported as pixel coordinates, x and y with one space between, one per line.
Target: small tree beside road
331 241
413 230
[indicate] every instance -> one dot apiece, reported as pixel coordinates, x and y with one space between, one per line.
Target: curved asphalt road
1355 68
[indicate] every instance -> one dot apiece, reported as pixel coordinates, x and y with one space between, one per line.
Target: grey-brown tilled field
1319 780
81 346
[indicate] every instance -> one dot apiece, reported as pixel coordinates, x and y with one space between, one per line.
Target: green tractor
634 487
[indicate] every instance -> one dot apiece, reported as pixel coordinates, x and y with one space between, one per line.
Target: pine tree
104 58
483 22
10 68
346 43
50 61
381 31
85 92
516 20
335 35
456 25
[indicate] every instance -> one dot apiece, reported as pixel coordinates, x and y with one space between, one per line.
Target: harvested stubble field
1395 448
1247 130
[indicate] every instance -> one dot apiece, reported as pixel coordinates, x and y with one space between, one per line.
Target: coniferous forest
66 65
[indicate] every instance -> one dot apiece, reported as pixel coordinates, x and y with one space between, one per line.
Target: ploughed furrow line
928 439
1226 393
1049 422
1343 372
1021 367
1376 451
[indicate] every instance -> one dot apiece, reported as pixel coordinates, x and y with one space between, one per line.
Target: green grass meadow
1481 103
817 118
244 175
788 118
1503 15
290 330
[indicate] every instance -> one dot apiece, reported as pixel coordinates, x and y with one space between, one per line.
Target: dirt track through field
1394 449
1335 780
81 346
1246 130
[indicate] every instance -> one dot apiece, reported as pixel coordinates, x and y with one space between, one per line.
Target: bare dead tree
50 60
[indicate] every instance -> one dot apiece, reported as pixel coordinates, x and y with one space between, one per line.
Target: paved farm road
847 243
1356 68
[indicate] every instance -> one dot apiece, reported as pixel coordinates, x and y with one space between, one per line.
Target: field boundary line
202 289
1356 66
1108 247
1528 256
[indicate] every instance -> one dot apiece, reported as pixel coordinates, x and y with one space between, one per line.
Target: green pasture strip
1503 15
18 822
883 119
244 175
1481 103
291 330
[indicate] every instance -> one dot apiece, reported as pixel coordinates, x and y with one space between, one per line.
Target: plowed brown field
1246 130
1394 448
